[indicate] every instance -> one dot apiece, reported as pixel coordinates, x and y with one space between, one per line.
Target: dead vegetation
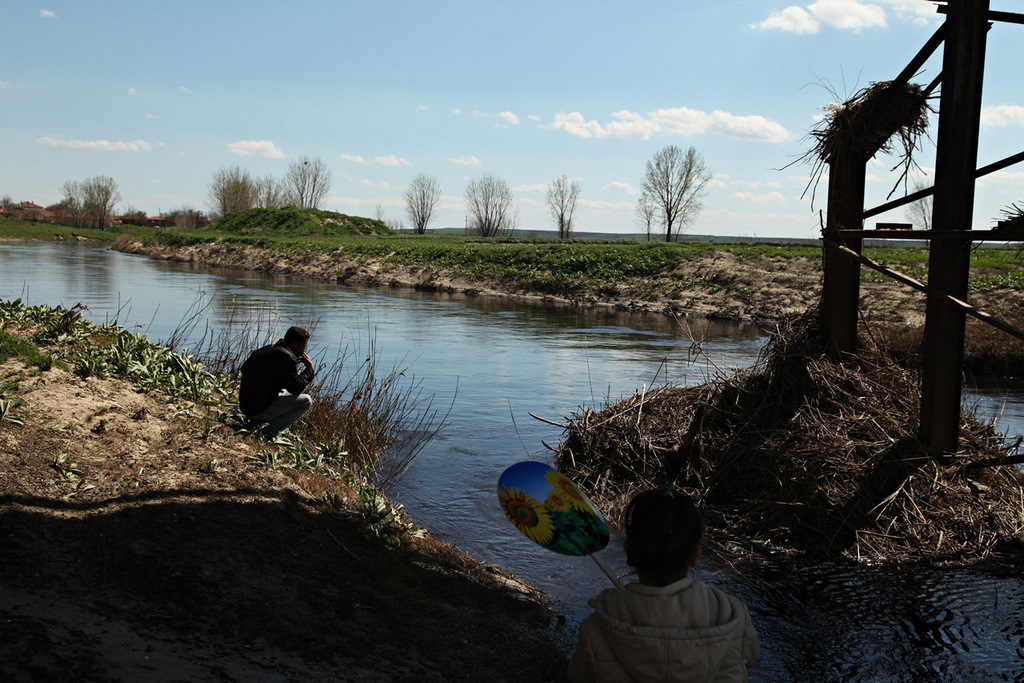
879 118
803 455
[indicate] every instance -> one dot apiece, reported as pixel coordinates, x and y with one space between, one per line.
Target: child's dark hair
663 529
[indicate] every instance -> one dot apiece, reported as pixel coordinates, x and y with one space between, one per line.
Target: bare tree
307 182
72 202
231 190
186 217
490 208
675 181
99 197
920 211
269 193
6 201
421 198
561 200
646 213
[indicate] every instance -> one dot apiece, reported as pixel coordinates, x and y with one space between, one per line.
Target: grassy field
538 264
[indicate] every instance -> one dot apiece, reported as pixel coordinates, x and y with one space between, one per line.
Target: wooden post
963 66
840 295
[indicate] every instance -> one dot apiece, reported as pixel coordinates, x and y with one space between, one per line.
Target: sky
161 95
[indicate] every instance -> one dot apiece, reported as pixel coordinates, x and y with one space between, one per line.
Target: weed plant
363 418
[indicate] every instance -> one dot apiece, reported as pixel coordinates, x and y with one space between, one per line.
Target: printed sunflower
527 514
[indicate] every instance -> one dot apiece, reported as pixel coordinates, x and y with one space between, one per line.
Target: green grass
15 228
570 268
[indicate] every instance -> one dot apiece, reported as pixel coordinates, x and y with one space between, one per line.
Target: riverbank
145 537
718 284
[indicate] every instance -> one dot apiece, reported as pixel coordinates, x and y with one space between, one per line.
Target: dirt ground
128 554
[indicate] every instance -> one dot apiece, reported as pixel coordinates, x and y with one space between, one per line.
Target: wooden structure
963 37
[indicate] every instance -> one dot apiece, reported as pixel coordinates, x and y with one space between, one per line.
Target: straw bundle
801 454
878 118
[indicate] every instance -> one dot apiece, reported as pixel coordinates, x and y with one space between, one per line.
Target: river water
499 360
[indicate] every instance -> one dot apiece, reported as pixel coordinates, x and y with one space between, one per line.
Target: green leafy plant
67 470
384 518
210 466
6 406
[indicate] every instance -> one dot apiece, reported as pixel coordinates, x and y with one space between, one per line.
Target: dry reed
803 454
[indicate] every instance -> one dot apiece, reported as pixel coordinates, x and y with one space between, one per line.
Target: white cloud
455 111
535 187
184 90
791 20
256 148
105 145
508 119
1007 177
131 92
850 15
1002 115
421 107
603 205
717 184
681 121
915 11
534 117
846 15
619 186
770 198
47 14
353 157
4 85
465 161
392 160
152 117
376 185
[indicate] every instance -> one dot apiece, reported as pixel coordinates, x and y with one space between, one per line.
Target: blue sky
161 95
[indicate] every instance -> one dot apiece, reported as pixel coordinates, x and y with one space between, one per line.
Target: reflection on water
500 360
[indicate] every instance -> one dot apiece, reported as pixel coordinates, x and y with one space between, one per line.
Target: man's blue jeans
285 410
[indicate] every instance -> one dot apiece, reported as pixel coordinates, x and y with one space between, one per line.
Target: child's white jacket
686 631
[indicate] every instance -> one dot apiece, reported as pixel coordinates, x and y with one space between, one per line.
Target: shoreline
758 291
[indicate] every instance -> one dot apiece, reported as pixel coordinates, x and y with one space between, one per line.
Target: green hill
297 222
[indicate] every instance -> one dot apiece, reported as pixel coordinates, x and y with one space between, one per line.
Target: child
669 626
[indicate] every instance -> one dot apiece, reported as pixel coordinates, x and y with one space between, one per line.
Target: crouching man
272 385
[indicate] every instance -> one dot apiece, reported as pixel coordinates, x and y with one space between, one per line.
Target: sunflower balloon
549 510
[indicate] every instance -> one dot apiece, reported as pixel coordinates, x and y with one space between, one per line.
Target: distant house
156 221
28 211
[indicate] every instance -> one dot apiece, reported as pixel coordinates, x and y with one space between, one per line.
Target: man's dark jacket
267 371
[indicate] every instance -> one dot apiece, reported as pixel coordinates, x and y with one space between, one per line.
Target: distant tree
421 198
561 200
675 182
646 213
99 197
269 193
132 216
5 201
231 190
489 206
186 217
920 211
73 203
307 182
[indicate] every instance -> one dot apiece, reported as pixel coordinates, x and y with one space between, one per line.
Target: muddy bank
759 290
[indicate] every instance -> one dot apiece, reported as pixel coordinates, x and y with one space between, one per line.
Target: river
498 360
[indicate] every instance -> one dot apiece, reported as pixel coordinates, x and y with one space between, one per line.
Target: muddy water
498 361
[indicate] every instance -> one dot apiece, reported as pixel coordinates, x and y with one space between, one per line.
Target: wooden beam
967 308
963 69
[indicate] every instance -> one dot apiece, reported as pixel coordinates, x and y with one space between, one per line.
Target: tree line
672 186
